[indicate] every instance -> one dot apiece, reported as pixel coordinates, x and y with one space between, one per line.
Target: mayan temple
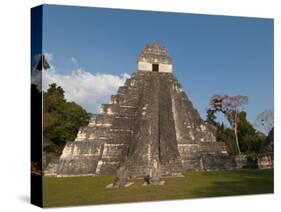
149 127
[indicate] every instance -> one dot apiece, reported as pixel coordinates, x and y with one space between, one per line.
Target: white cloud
87 89
49 56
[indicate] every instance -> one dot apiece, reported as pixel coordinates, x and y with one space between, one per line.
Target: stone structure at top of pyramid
155 58
149 127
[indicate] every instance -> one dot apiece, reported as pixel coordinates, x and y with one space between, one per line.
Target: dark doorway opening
155 67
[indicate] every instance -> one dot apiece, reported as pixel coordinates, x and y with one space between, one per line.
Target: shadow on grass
244 182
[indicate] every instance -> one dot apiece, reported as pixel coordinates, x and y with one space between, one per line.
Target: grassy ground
91 190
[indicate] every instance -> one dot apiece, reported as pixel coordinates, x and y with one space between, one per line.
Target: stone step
122 90
109 109
91 133
127 110
101 120
121 123
117 99
120 131
113 152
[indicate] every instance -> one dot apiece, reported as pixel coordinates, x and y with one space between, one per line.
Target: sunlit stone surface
150 127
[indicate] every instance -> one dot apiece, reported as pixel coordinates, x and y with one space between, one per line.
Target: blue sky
211 54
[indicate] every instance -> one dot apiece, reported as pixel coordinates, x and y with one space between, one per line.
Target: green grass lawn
91 190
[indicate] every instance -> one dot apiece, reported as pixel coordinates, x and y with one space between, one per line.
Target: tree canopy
230 106
61 119
242 137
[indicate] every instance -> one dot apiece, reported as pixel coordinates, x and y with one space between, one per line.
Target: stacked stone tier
149 118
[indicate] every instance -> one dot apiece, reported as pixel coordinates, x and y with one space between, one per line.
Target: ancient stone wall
149 119
155 54
149 127
265 161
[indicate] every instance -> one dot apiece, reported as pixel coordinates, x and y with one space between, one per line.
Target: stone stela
149 127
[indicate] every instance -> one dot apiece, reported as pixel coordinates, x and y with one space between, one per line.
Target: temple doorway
155 67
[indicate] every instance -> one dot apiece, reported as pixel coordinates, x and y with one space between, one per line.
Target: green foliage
211 117
251 155
228 137
270 137
62 119
251 141
252 160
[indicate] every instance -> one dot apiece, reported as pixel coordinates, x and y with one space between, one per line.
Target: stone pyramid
149 127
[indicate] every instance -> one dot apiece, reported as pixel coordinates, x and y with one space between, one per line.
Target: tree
227 136
211 117
250 139
61 120
230 106
264 121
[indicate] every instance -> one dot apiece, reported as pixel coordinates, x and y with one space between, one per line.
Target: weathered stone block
265 161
